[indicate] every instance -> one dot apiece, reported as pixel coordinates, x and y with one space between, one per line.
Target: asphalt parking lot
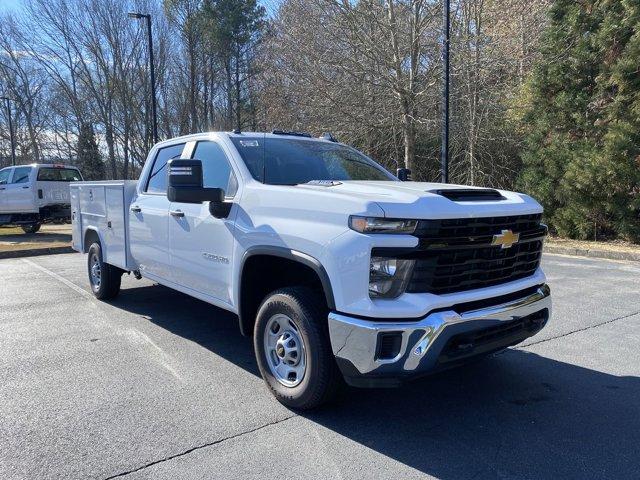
160 385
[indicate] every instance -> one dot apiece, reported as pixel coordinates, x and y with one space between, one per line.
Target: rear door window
51 174
4 176
157 182
21 175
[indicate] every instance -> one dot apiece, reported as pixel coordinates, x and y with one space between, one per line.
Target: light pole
13 142
154 118
446 41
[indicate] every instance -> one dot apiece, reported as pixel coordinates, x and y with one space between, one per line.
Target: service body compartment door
76 219
114 235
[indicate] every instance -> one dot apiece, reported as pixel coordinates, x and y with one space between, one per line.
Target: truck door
149 218
5 173
20 196
201 245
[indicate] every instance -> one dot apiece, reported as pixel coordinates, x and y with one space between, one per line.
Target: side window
4 176
216 169
157 182
21 175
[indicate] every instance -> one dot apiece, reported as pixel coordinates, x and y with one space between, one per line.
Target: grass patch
11 231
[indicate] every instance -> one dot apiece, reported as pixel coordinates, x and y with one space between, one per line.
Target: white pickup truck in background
337 269
31 195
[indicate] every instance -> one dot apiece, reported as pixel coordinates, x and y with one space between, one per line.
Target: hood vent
323 183
470 194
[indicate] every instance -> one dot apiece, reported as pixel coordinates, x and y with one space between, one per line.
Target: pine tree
89 158
582 154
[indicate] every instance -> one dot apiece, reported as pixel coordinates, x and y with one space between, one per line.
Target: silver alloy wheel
95 271
284 350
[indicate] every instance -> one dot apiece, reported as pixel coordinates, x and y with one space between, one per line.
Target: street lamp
13 142
154 118
446 41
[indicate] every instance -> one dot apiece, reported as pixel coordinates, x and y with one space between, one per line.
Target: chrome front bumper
354 341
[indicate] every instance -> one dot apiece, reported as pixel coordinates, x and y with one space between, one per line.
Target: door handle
176 213
136 209
25 187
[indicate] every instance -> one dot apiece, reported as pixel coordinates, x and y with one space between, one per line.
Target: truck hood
419 200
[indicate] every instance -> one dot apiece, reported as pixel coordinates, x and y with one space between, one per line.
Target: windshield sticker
249 143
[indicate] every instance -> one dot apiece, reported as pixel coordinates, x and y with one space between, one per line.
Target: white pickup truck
335 267
31 195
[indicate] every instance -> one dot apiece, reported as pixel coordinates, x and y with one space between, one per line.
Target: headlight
388 277
381 225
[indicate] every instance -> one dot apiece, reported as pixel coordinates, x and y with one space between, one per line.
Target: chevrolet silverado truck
339 270
31 195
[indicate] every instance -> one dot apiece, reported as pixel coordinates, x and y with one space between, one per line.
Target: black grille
389 344
465 229
493 338
454 255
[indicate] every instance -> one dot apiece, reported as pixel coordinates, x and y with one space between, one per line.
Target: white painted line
69 284
163 358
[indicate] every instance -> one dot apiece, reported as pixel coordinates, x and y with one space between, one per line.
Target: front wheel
293 350
104 278
31 228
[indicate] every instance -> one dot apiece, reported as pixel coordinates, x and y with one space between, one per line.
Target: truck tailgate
104 208
51 193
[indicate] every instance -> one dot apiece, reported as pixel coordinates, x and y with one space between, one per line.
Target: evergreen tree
89 158
235 28
582 153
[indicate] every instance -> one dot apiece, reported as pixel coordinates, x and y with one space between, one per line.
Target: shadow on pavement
518 414
48 234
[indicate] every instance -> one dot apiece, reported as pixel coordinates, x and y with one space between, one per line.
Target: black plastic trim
289 254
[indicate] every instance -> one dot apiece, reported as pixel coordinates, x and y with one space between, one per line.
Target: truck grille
455 255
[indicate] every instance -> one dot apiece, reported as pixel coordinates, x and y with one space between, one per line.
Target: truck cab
339 271
31 195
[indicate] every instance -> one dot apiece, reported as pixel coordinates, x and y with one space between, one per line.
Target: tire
31 228
104 279
301 314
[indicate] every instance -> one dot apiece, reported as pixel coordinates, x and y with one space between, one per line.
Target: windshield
57 174
287 161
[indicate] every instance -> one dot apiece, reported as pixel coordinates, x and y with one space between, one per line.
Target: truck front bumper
384 353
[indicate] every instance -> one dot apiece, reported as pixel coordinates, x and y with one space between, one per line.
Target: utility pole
446 41
152 72
11 137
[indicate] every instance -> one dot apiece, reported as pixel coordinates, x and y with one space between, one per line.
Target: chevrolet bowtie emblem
506 239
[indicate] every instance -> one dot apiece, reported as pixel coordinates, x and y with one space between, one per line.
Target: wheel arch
90 235
301 262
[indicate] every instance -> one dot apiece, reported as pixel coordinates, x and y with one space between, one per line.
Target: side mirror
185 186
404 174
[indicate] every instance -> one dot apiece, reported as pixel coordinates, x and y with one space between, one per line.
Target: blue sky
16 5
10 5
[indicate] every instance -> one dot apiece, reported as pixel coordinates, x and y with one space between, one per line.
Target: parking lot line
69 284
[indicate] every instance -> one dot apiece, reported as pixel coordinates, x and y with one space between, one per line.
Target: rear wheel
104 278
293 350
31 228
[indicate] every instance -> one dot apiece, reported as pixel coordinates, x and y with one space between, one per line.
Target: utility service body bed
103 207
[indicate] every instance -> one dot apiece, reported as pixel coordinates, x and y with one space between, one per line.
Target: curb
574 252
585 252
36 252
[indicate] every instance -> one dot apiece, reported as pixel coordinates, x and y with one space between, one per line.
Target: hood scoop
469 194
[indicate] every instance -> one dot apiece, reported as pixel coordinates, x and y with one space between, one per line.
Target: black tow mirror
185 186
404 175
